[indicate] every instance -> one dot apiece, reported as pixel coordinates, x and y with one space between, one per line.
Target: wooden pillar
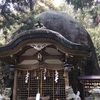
81 89
67 68
41 82
15 85
66 77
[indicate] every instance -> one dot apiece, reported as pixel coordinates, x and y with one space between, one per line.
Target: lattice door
36 81
22 88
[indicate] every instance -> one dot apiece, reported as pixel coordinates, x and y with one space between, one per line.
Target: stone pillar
68 89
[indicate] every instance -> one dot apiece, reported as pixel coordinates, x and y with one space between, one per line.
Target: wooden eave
43 36
92 77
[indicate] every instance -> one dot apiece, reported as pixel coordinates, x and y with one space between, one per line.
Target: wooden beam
45 57
43 65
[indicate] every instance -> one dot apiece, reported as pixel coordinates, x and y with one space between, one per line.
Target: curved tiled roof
45 35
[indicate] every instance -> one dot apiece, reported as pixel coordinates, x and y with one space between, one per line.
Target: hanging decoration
45 73
39 57
27 76
57 91
35 74
38 96
56 76
38 46
48 73
38 75
19 74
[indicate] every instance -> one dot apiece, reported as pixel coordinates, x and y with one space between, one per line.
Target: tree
12 13
80 4
90 5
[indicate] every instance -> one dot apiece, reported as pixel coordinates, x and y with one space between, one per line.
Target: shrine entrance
40 69
48 82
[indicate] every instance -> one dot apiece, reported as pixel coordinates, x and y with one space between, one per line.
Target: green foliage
44 5
85 17
6 77
17 22
80 4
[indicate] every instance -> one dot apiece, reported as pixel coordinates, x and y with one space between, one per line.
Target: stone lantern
95 92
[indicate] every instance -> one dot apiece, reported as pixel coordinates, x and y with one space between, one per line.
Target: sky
2 2
57 2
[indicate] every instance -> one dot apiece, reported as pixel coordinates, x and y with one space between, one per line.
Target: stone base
70 95
89 98
7 98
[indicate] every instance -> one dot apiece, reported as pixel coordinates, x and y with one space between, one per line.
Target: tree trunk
3 12
31 5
